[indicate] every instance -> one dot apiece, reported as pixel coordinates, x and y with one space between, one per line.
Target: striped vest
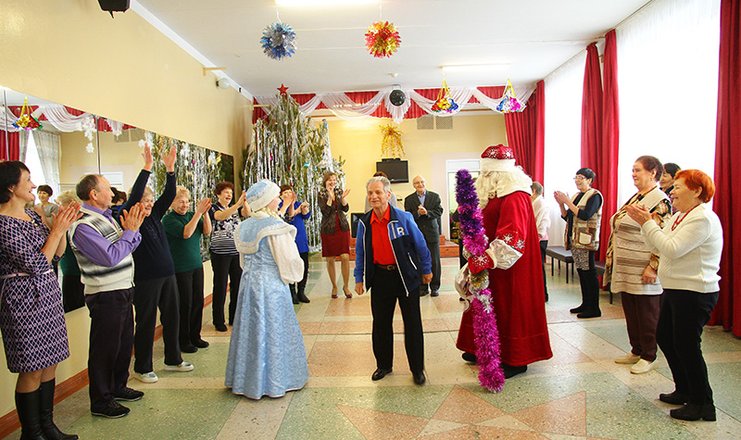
98 278
585 233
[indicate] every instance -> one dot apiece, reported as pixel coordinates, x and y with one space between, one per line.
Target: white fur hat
261 193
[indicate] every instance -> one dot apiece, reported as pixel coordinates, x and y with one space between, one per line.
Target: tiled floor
579 393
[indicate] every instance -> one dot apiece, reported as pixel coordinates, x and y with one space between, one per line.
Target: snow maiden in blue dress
266 351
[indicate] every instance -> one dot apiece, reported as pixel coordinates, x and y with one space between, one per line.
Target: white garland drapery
59 118
344 107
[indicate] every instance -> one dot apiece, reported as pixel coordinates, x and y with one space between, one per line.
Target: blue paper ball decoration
278 40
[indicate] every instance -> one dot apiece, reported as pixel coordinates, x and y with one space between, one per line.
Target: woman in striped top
631 268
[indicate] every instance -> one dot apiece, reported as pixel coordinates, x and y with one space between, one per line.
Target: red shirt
382 251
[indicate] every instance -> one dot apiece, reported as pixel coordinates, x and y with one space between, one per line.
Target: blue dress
266 350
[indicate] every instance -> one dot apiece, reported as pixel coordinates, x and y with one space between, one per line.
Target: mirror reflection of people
225 218
392 260
631 266
296 213
426 208
155 287
335 231
119 198
73 291
31 300
45 205
583 216
690 246
266 349
184 228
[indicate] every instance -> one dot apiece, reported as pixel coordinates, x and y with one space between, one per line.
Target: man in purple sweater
103 250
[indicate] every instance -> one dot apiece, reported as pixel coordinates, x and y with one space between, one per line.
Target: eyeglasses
579 178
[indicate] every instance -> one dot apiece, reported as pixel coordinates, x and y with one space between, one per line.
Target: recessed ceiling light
473 68
316 3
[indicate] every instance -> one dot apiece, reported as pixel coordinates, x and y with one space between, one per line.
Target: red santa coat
517 292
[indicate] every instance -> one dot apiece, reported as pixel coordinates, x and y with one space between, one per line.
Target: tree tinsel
486 334
288 148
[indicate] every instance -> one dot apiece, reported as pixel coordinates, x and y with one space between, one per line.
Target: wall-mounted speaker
112 6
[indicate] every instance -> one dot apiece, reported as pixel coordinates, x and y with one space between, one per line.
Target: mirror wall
69 143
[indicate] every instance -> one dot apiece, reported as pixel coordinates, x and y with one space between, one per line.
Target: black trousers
111 339
683 315
73 292
226 271
301 285
149 295
190 291
434 247
387 289
543 247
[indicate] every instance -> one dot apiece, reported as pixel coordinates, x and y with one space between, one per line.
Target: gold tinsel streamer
391 146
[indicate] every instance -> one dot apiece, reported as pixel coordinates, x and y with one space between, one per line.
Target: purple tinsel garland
486 334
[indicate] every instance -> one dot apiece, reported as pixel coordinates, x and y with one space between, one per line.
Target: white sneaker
147 377
642 366
182 367
629 358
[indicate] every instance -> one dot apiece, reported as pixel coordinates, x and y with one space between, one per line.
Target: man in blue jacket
391 252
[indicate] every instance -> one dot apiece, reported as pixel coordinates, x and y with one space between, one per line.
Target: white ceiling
533 37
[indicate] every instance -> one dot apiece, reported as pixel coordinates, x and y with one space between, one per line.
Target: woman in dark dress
335 231
31 314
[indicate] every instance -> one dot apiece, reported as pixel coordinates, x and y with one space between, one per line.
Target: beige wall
72 53
427 151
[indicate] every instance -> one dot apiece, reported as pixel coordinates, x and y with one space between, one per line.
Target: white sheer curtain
668 83
47 145
563 94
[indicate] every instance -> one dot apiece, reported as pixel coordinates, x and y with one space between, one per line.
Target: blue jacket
409 246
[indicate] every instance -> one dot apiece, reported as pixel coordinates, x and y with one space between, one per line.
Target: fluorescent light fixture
317 3
474 68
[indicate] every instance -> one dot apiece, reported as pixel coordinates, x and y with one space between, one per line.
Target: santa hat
261 194
498 158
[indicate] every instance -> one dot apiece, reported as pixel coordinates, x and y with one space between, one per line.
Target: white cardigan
690 254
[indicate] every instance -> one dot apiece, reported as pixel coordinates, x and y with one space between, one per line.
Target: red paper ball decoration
382 39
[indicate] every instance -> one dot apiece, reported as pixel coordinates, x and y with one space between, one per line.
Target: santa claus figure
514 265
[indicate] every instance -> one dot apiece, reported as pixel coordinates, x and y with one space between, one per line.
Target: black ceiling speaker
397 97
114 5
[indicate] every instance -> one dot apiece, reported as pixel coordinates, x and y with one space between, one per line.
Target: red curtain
591 113
13 151
607 159
526 134
727 160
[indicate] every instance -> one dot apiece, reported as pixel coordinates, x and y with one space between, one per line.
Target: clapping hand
560 197
132 219
345 193
639 213
304 208
421 210
65 216
203 206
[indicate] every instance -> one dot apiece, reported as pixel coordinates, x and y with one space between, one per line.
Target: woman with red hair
690 245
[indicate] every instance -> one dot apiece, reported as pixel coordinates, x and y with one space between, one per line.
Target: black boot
694 412
590 289
51 432
582 284
294 298
302 296
27 405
